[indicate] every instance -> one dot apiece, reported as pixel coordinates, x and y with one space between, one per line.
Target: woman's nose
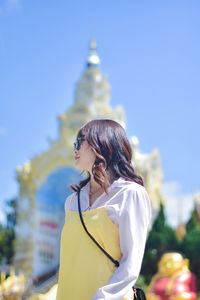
75 151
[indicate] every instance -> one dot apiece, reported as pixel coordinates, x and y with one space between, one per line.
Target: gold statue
13 287
173 281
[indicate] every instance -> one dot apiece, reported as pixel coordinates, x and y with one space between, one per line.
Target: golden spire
93 58
93 44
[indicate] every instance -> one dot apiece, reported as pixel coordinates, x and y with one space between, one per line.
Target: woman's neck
94 186
95 189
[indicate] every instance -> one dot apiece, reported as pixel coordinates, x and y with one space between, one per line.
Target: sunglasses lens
77 145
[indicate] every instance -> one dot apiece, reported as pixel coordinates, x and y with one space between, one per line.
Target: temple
44 180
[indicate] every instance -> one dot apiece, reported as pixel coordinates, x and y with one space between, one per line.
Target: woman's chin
78 165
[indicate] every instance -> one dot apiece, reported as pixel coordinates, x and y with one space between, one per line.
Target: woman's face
84 157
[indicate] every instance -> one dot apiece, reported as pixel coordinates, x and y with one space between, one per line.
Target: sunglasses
78 143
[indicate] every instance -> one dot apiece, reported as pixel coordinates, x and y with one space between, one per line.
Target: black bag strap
92 238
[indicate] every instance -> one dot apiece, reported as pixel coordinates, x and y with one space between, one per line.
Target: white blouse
130 211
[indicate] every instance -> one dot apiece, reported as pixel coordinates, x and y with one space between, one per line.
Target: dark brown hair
109 142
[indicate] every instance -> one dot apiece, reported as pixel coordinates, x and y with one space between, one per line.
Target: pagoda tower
92 98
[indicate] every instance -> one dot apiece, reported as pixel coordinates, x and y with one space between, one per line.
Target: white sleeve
67 203
134 220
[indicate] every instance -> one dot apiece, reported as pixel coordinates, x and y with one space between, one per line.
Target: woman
116 211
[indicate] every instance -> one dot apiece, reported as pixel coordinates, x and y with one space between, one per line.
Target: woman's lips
77 157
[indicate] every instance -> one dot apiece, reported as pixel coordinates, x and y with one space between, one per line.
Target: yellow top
83 266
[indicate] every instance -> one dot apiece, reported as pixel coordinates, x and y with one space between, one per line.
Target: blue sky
150 51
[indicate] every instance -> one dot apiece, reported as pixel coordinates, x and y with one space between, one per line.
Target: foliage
7 233
190 245
161 238
141 282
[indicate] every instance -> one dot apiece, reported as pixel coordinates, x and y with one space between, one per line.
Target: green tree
7 232
161 238
190 245
1 242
